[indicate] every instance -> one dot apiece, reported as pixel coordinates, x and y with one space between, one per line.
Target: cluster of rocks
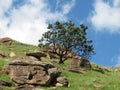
31 71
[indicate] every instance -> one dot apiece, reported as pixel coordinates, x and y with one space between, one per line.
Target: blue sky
26 21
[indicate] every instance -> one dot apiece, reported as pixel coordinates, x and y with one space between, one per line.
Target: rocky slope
20 71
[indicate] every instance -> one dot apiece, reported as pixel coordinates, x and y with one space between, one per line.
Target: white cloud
106 16
67 7
28 22
116 3
4 5
117 61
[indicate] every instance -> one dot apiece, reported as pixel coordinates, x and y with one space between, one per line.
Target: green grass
2 63
108 80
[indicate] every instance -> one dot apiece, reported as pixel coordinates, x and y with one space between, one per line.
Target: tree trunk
61 61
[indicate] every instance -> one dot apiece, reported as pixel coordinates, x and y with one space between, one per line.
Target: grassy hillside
92 80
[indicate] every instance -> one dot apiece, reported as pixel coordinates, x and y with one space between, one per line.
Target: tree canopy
65 37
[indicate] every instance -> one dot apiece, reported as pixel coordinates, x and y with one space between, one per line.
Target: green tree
65 37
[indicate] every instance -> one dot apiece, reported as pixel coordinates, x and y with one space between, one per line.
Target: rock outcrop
37 55
29 70
80 62
6 41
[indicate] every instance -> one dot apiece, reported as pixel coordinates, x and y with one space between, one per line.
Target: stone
78 70
108 69
78 61
3 54
117 68
6 41
62 81
12 54
26 87
85 63
29 70
54 72
59 85
37 54
98 68
5 83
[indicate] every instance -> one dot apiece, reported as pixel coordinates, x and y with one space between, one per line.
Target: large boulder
78 61
37 55
6 41
29 70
